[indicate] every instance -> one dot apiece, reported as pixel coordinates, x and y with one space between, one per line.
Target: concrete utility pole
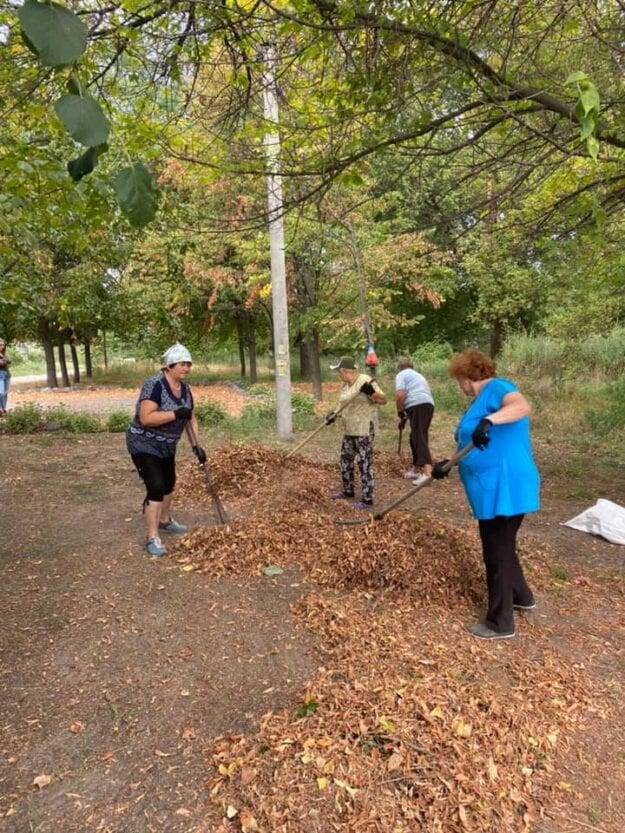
282 359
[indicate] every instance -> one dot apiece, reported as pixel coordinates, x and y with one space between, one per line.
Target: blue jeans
4 389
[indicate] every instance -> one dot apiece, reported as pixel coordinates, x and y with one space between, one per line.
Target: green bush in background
58 417
209 413
75 423
85 424
257 415
118 421
25 419
302 403
608 414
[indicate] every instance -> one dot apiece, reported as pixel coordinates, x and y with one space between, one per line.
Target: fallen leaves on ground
410 724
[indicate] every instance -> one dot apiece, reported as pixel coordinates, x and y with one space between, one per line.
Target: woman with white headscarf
164 406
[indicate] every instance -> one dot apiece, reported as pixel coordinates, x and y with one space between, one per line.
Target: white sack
605 518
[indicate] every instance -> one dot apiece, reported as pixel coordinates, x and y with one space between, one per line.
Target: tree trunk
48 350
304 358
496 339
314 360
88 362
241 340
106 358
251 346
62 362
74 354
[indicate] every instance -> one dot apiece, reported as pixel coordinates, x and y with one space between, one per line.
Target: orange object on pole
371 359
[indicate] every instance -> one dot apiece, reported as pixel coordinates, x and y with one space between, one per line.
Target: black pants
158 474
420 417
504 576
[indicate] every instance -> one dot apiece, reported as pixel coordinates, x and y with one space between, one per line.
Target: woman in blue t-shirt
501 482
165 404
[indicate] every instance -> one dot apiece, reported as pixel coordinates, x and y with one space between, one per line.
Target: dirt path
103 400
117 672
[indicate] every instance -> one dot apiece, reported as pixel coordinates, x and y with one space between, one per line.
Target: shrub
118 421
58 417
22 420
259 390
258 414
84 424
209 413
75 423
611 415
302 403
534 356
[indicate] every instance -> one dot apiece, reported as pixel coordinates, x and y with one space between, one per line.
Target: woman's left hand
480 437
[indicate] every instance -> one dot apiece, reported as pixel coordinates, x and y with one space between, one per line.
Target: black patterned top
160 441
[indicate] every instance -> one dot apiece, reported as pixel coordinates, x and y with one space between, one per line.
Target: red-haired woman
501 482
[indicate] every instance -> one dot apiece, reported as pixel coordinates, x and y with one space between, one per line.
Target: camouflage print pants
361 447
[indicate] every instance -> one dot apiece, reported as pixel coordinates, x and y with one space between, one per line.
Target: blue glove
479 437
183 413
367 389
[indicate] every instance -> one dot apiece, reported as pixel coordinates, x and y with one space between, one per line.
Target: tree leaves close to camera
57 35
85 164
83 119
136 194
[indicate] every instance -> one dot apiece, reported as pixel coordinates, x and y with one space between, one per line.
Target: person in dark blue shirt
501 482
165 404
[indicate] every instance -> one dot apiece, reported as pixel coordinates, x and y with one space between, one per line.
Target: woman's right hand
183 413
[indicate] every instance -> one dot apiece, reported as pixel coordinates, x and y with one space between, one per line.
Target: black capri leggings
158 474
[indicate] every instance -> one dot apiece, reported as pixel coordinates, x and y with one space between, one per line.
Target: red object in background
371 360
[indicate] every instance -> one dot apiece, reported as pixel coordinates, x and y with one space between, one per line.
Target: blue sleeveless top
503 478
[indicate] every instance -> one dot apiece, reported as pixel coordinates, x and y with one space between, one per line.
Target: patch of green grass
560 573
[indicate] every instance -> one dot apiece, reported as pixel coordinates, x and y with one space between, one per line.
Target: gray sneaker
155 547
173 526
482 631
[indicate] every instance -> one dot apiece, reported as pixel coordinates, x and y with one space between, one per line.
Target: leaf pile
242 470
424 557
408 726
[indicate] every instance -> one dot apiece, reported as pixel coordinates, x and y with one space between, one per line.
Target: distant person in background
359 422
5 376
501 482
165 404
414 403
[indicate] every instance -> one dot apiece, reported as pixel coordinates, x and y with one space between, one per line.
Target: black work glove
200 454
367 389
183 413
438 472
402 419
330 418
479 437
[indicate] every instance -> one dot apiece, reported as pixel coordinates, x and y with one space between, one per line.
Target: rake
377 516
221 512
307 439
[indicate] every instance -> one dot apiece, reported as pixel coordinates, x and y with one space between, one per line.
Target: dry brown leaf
42 781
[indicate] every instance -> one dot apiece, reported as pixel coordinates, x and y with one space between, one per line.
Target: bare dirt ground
119 673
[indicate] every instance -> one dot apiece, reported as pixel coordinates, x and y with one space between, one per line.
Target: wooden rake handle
221 512
319 428
377 516
453 461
